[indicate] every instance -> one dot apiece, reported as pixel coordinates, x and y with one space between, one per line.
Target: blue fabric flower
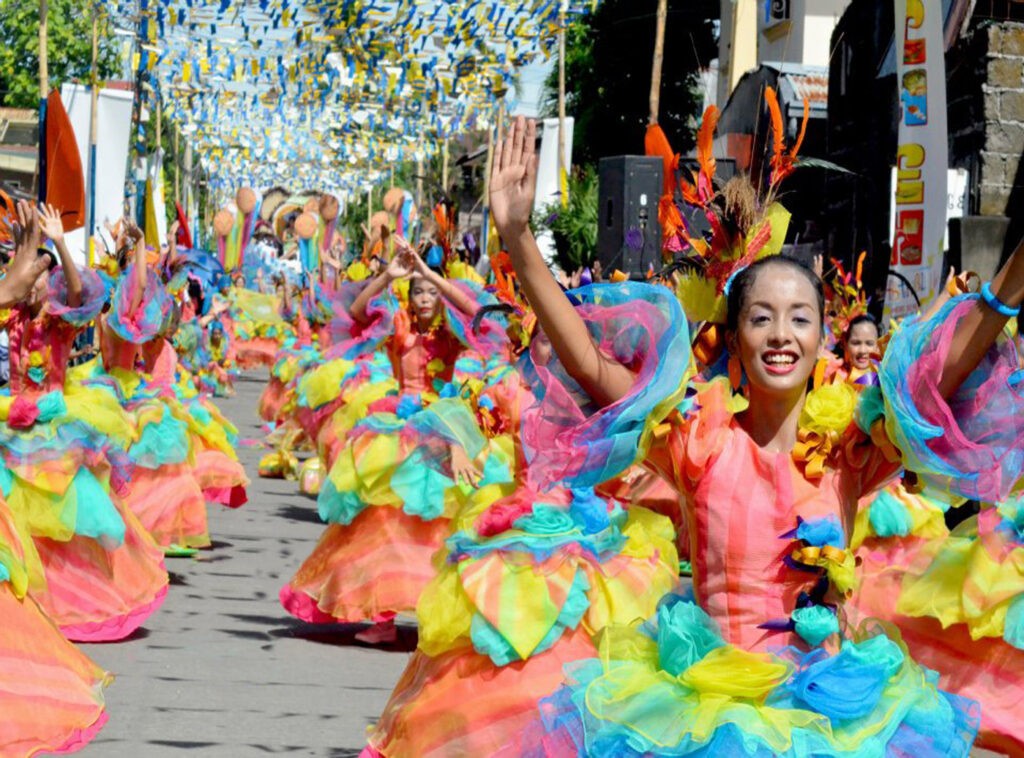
888 516
588 510
815 624
685 635
819 532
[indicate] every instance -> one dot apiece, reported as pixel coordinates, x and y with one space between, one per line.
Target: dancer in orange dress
761 661
375 557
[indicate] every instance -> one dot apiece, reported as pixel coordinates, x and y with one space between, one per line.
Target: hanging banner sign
113 138
921 158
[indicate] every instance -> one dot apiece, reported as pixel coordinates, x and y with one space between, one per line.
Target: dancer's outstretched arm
513 185
982 325
52 226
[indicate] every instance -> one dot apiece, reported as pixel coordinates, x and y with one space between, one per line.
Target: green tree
69 48
574 228
608 75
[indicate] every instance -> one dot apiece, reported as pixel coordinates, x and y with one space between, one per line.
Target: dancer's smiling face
777 328
861 344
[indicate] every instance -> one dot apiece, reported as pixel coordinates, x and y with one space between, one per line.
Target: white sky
531 79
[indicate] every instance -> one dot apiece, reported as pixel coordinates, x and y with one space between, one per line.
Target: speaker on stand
628 233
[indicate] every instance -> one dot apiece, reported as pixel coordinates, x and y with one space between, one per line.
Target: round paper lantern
379 219
393 200
329 207
312 205
223 221
306 225
245 199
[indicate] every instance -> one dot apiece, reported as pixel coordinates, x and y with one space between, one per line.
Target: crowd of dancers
529 469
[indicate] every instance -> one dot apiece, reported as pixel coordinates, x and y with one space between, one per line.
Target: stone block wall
986 118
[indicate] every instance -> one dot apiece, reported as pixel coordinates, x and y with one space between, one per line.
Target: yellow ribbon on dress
839 564
813 449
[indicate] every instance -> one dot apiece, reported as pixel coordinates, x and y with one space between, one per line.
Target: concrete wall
805 38
986 119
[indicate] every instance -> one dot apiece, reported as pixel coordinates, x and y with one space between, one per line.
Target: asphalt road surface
221 669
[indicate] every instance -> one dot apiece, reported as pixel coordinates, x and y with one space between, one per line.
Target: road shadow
344 635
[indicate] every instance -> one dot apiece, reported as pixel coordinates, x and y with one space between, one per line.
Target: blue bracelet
995 303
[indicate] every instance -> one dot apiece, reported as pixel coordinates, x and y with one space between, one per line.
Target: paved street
221 669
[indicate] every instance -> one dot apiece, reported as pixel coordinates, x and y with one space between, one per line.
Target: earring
735 373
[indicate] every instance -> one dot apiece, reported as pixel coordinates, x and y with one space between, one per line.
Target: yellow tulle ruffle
965 584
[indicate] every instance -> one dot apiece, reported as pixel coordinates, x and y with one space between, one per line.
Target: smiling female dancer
763 663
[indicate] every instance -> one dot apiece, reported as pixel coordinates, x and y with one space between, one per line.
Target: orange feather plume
783 161
8 215
504 277
656 145
702 191
706 141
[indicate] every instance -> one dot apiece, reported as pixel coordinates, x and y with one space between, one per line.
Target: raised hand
401 265
576 278
514 179
50 223
404 248
27 266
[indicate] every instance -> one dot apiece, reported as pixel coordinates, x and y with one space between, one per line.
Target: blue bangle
995 303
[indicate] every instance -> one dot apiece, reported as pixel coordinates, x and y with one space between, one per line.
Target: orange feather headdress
846 298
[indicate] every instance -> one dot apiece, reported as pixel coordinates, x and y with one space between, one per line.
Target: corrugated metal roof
813 87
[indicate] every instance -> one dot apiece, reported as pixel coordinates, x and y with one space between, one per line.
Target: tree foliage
608 75
574 228
69 48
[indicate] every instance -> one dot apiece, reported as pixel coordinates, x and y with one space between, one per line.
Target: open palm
401 266
514 178
50 223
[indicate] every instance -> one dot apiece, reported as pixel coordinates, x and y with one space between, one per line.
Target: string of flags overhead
332 93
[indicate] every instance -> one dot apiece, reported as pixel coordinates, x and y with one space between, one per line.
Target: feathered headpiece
847 299
445 218
743 224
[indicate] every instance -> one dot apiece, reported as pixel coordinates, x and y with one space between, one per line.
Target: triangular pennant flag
184 235
65 180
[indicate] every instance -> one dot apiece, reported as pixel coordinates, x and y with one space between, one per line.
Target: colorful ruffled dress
538 563
182 457
296 353
51 694
389 494
214 439
259 328
897 520
163 491
763 661
92 566
958 599
216 376
353 363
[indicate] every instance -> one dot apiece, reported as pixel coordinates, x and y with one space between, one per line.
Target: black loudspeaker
628 232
